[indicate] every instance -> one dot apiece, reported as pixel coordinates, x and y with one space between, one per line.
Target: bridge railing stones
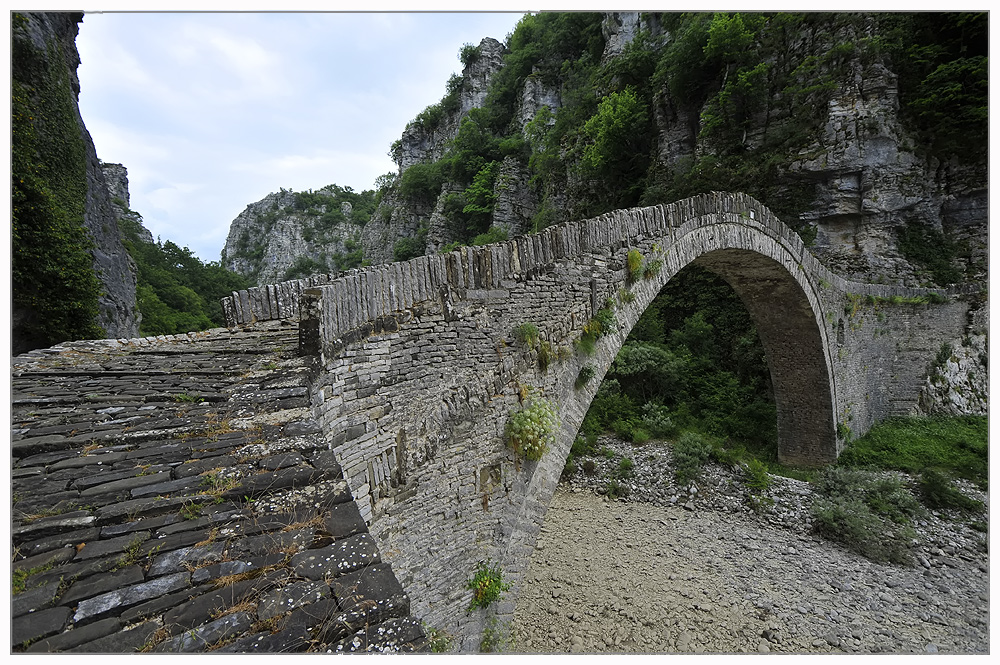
362 295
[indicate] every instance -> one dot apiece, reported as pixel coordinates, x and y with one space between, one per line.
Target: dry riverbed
670 571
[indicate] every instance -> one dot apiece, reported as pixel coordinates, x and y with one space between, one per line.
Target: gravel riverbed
671 570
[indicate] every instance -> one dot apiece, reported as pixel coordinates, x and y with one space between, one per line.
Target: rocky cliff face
291 234
45 58
116 178
863 177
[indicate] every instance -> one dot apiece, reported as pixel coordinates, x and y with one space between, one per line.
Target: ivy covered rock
72 277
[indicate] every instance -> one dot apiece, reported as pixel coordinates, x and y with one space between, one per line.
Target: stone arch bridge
335 460
421 369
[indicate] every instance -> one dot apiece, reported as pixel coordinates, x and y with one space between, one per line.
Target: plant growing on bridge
530 430
633 265
487 585
587 372
544 355
527 333
652 269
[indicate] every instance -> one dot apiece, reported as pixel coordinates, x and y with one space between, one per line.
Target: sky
210 112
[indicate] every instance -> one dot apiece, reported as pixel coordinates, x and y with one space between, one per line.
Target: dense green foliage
941 60
957 446
753 87
175 291
932 250
54 287
692 362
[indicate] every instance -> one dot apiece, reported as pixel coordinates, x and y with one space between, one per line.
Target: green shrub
652 269
614 490
939 492
756 478
730 456
468 54
584 445
853 524
569 469
422 181
630 429
493 235
527 334
867 514
633 265
531 430
587 372
691 451
626 468
487 585
890 498
656 419
408 248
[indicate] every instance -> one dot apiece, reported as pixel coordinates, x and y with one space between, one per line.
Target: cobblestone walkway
174 494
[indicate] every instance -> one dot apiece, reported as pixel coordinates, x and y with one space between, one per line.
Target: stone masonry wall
421 371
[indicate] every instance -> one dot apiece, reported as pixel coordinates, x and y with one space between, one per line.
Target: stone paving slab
150 504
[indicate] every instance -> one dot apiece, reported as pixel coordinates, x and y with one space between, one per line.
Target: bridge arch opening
776 382
692 361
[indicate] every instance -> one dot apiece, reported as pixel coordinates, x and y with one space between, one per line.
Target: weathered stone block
28 627
342 557
114 602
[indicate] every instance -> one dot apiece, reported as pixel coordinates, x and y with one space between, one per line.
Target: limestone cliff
116 178
843 163
291 234
59 189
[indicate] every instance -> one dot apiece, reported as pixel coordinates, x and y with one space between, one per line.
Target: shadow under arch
794 348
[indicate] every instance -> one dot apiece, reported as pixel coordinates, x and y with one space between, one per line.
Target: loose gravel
696 569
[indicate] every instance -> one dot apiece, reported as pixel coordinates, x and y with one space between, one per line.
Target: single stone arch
418 371
766 274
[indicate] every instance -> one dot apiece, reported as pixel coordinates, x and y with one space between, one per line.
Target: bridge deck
174 494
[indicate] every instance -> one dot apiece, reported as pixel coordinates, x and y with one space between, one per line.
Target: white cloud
210 112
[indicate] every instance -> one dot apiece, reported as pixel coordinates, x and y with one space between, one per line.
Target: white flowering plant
531 430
